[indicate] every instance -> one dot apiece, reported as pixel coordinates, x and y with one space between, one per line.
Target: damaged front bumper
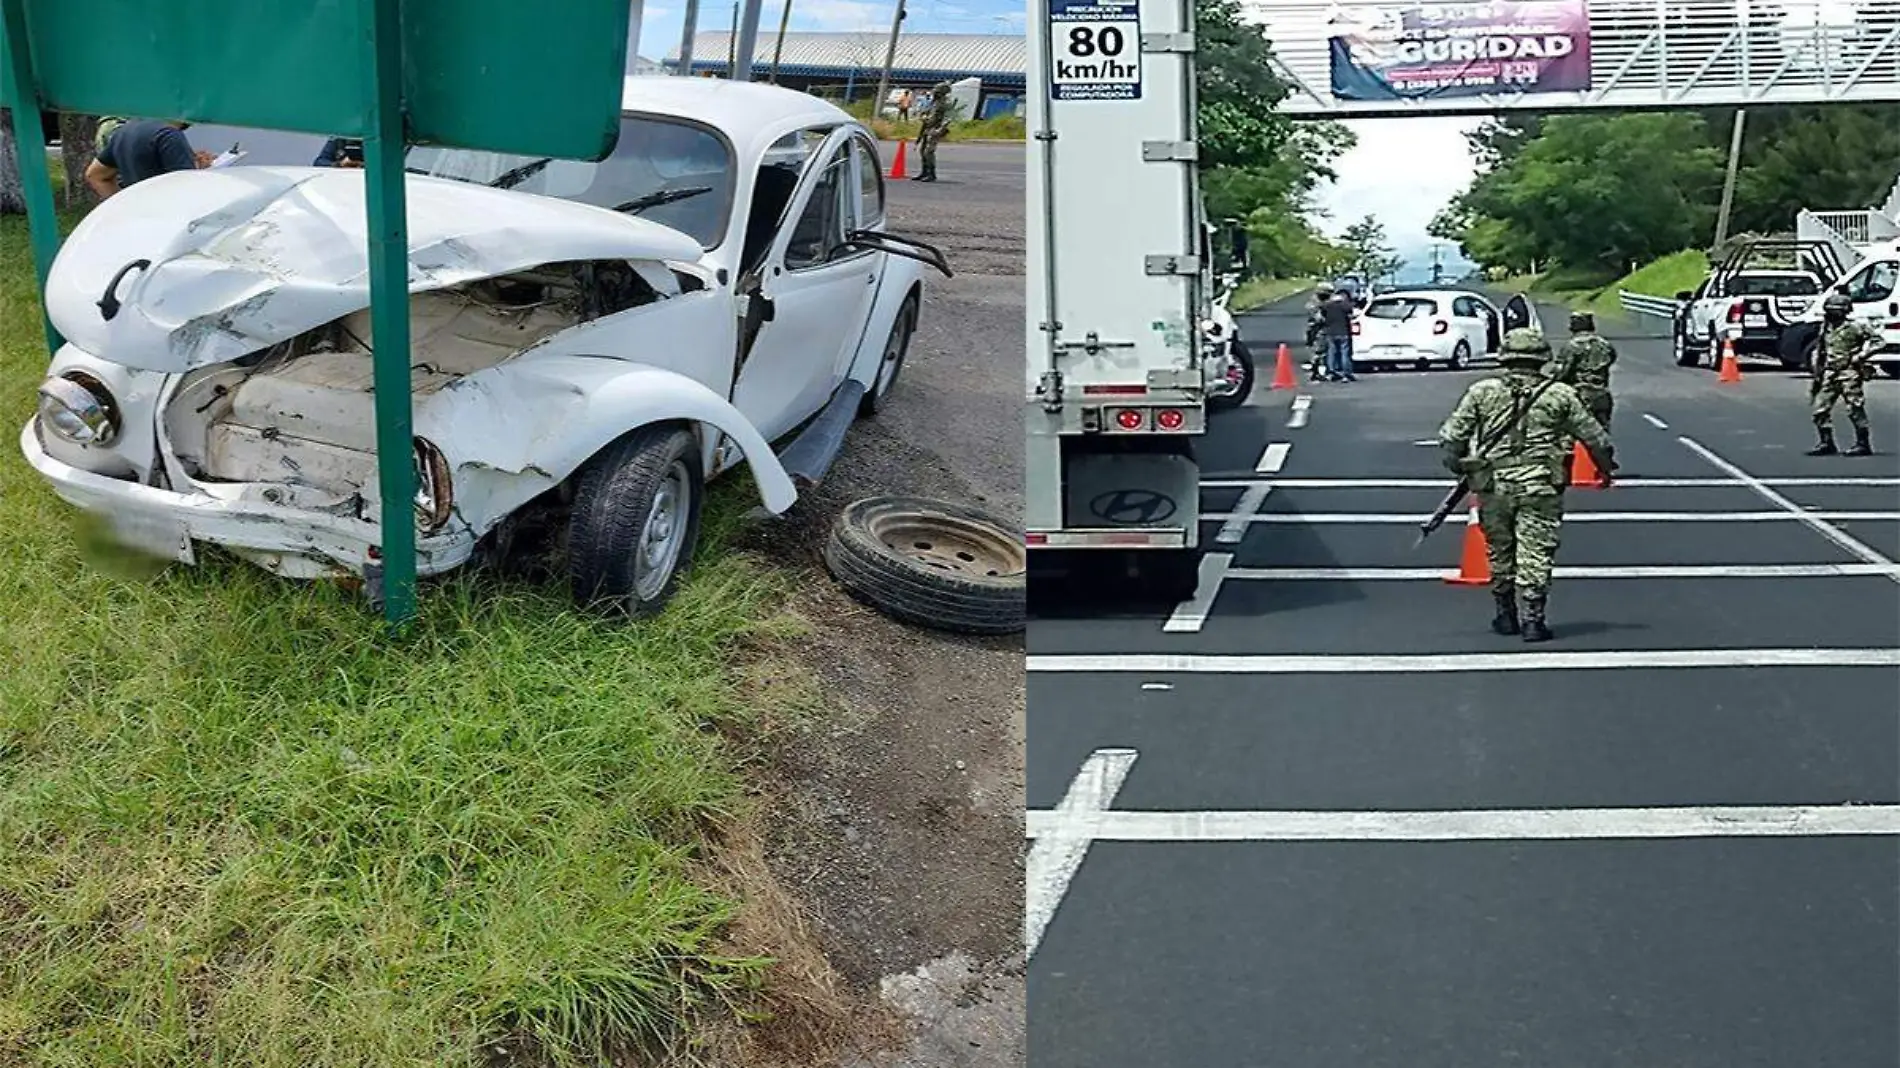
294 542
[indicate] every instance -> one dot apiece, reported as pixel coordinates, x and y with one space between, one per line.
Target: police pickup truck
1751 299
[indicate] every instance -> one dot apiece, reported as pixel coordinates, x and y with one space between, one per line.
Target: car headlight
434 496
79 408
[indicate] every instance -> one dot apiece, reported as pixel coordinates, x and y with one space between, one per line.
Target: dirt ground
898 826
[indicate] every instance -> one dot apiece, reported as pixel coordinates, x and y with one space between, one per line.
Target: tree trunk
12 196
77 137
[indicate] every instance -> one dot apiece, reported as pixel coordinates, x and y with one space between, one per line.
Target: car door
1517 313
1468 321
803 307
1875 291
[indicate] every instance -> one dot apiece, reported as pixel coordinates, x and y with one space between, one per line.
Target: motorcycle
1229 364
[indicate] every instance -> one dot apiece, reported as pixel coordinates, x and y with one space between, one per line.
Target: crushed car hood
242 258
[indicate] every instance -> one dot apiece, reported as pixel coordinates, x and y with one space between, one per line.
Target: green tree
1369 251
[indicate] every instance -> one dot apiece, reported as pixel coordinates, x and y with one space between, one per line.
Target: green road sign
494 75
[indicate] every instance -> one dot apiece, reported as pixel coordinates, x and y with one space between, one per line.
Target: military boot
1505 622
1826 446
1862 447
1535 629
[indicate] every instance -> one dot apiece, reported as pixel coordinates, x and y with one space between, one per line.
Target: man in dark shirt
141 149
340 152
1336 327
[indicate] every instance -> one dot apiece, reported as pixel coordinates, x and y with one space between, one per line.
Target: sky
661 19
1402 172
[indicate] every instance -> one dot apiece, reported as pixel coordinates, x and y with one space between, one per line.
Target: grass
241 825
1005 128
1590 290
1257 291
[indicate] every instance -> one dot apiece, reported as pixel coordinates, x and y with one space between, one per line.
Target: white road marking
1234 525
1820 526
1439 663
1655 483
1190 615
1274 458
1426 442
1157 685
1057 854
1570 571
1300 411
1655 422
1472 825
1410 519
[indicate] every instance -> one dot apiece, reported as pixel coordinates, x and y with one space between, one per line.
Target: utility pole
1728 180
778 50
1438 266
748 42
732 43
890 60
687 31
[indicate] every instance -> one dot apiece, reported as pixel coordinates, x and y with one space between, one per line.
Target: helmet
1582 322
1324 289
1524 345
1837 303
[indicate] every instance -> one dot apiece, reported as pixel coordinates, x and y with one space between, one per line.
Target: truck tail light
1169 419
1441 327
1129 419
1735 312
1035 539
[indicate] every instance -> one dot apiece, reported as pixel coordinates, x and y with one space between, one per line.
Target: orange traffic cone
897 162
1583 470
1474 568
1731 371
1283 368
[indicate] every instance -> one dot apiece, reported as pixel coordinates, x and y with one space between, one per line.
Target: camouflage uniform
934 127
1315 338
1520 479
1584 363
1842 355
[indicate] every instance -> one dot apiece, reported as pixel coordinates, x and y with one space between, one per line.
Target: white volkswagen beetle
591 342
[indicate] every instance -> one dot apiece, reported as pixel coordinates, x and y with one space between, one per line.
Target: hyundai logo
1132 507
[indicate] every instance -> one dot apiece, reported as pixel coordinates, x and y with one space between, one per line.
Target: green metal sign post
495 75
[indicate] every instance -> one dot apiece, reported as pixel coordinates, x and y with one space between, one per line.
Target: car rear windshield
1768 285
653 156
1401 308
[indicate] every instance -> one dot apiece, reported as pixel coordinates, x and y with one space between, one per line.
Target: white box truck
1117 289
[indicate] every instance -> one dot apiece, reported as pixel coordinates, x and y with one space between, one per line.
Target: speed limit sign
1096 49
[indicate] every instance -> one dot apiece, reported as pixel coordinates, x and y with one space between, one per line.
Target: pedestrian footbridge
1381 57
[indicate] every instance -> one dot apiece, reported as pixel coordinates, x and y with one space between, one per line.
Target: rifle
1462 488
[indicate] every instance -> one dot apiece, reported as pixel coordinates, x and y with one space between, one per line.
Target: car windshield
1760 285
1400 308
655 164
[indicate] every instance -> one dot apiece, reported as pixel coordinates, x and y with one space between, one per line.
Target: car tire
1685 353
1461 356
890 362
1243 361
635 521
931 564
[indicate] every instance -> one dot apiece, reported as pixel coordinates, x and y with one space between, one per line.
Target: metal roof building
854 61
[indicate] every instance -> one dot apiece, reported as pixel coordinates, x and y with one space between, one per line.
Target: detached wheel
635 521
891 364
931 563
1241 375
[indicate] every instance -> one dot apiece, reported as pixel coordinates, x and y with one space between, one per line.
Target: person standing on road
139 149
1841 366
1521 426
1583 364
935 126
1315 331
1336 314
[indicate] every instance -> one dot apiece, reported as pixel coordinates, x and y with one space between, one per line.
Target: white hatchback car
1429 328
591 342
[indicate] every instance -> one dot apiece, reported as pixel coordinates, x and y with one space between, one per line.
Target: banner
1422 49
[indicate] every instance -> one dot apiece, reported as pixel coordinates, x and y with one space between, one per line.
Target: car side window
870 185
1877 282
820 227
1464 308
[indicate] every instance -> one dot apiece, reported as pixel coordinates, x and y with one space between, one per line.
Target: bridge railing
1644 304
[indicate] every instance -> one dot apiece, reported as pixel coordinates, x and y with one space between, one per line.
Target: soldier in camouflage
1583 363
933 127
1315 331
1519 479
1841 365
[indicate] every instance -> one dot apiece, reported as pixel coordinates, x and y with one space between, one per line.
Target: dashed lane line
1057 854
1300 411
1655 421
1469 825
1273 458
1191 615
1234 524
1442 663
1820 526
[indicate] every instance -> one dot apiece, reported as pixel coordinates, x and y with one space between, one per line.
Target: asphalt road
1320 816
